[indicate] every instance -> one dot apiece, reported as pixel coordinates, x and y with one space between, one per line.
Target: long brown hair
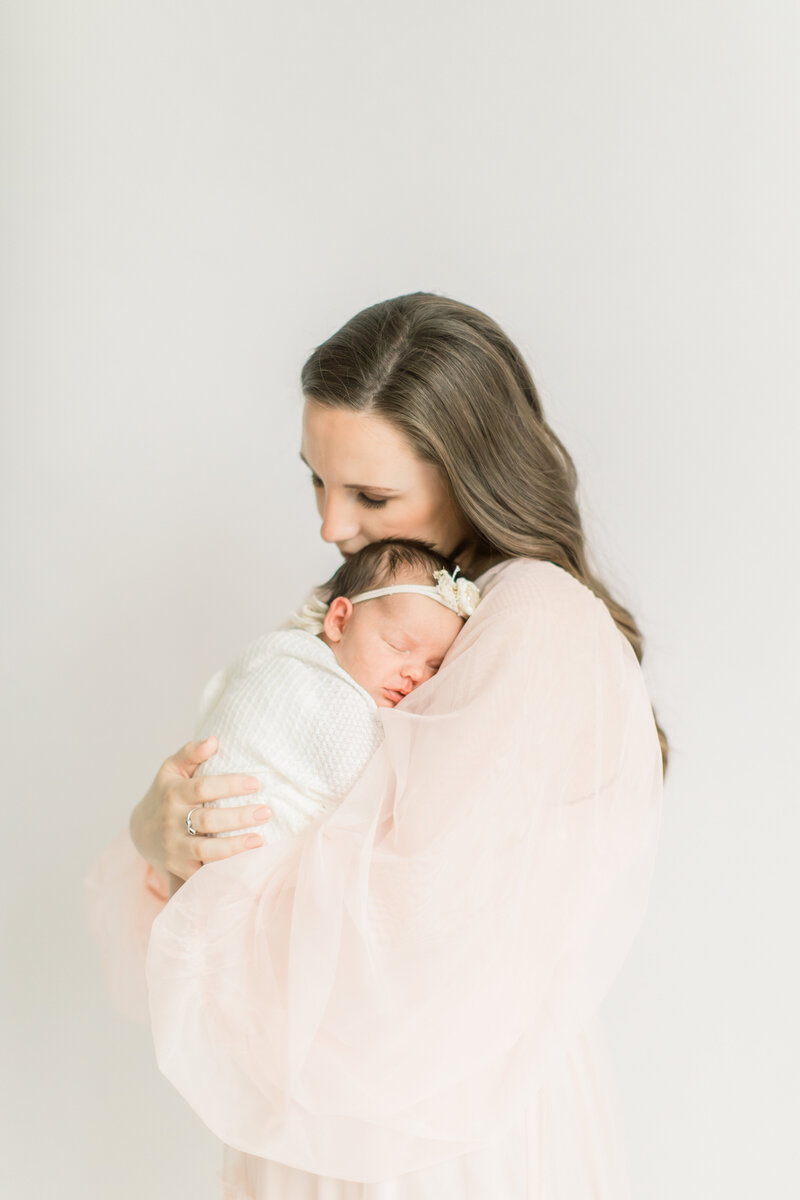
456 386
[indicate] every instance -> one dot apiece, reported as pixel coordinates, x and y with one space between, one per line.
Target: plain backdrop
194 195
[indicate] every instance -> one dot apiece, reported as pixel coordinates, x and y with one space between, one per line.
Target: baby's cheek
368 671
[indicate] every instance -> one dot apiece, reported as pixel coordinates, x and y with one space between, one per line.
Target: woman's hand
158 822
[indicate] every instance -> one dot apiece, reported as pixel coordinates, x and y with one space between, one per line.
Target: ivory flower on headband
462 595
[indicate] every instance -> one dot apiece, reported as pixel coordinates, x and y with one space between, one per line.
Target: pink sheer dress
400 1003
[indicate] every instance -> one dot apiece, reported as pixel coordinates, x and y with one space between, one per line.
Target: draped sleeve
122 896
387 989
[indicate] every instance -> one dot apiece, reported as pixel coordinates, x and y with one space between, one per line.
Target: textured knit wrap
288 714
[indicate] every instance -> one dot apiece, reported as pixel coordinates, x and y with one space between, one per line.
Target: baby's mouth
393 695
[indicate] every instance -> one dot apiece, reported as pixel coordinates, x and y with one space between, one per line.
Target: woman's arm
129 883
388 989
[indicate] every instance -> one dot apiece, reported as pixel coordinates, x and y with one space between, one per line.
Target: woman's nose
338 524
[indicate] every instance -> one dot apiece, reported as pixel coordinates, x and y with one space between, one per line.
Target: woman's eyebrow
357 487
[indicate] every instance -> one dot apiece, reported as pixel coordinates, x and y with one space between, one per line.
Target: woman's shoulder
536 598
525 581
541 608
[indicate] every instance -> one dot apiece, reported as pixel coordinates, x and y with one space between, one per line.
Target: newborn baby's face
394 643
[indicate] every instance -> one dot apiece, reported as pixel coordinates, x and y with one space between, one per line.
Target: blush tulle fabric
400 1002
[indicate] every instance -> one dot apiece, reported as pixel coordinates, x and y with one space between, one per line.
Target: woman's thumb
194 753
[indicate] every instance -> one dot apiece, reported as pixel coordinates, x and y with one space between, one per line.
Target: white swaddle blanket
288 714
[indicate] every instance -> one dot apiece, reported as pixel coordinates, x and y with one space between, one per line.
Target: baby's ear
337 618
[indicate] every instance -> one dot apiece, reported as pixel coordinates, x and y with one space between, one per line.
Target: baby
299 709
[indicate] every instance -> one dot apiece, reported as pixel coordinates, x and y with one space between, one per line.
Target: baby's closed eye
397 649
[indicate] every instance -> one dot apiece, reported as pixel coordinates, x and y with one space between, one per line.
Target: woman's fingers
222 787
220 820
211 849
177 793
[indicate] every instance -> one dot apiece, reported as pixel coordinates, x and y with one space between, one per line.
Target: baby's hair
378 565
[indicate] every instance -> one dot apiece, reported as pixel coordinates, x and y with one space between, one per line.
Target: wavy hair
448 378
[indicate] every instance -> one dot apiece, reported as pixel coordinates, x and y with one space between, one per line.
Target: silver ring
193 832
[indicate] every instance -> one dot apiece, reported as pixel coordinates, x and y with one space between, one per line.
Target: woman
400 1002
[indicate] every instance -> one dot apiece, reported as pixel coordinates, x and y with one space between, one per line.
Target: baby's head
389 644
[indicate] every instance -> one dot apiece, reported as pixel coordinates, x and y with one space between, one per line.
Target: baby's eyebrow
357 487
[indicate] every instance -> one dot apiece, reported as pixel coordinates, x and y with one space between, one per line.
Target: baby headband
460 595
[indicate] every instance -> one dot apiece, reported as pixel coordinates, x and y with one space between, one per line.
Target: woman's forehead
348 442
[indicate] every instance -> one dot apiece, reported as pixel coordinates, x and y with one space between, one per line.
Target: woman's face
370 484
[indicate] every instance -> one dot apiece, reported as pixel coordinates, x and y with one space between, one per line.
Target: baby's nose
416 673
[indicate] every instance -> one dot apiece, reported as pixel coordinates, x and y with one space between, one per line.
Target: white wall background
194 194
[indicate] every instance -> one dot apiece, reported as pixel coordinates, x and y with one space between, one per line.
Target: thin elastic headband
417 589
461 596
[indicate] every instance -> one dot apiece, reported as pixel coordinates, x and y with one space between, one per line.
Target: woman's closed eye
362 498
